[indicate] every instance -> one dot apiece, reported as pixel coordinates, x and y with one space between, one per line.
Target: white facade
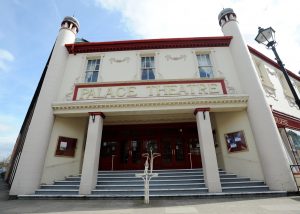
236 98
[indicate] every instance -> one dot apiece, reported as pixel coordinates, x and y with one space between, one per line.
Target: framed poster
66 146
236 142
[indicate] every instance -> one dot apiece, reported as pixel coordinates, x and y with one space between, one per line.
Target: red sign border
109 84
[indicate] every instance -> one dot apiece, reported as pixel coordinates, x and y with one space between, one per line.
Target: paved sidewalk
286 205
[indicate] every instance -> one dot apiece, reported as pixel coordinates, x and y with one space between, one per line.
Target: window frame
210 65
92 71
148 69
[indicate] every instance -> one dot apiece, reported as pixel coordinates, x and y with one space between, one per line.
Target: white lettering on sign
145 91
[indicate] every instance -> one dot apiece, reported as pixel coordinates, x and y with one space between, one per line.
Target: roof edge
271 62
194 42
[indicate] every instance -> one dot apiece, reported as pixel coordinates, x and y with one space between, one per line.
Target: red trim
286 121
97 113
145 44
201 109
109 84
271 62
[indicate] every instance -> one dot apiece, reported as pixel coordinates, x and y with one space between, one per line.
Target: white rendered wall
170 64
29 172
245 163
267 138
58 167
279 100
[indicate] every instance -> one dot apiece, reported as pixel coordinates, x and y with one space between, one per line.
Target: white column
31 164
91 155
268 141
208 152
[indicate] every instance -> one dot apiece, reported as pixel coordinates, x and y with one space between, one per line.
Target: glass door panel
124 152
151 145
136 147
166 150
179 150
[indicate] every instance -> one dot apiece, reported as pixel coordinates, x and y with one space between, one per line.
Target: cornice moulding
213 102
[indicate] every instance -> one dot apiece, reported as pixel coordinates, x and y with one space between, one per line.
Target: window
92 70
285 86
204 66
147 68
263 75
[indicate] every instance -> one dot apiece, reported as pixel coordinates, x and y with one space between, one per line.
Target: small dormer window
204 66
92 70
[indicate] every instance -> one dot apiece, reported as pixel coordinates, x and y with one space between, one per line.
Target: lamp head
266 37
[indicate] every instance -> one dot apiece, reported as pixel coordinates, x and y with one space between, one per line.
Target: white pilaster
208 152
91 154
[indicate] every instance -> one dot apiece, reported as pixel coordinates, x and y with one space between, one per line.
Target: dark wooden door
194 152
109 154
130 154
173 153
123 147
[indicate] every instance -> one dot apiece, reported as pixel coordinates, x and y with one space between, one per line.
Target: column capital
97 113
201 109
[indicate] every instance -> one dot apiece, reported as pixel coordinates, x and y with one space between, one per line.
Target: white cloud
188 18
5 58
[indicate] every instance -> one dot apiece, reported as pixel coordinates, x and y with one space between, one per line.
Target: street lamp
267 38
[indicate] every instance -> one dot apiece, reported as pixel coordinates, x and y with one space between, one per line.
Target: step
128 182
66 183
56 192
236 179
58 186
243 183
155 170
152 186
110 175
246 189
159 177
140 192
73 178
161 174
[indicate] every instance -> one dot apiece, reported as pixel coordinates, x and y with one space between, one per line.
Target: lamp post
267 38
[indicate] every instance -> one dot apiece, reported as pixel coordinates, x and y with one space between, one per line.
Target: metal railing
295 168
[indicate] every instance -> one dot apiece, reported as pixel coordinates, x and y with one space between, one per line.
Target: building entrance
123 147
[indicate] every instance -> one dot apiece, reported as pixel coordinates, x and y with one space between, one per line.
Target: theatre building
212 109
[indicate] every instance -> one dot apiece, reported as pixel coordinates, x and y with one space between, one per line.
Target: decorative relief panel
69 94
291 101
270 92
270 71
175 58
114 60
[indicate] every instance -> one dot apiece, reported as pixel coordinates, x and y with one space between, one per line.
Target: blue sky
28 29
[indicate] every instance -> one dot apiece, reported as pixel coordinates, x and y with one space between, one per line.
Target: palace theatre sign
149 89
